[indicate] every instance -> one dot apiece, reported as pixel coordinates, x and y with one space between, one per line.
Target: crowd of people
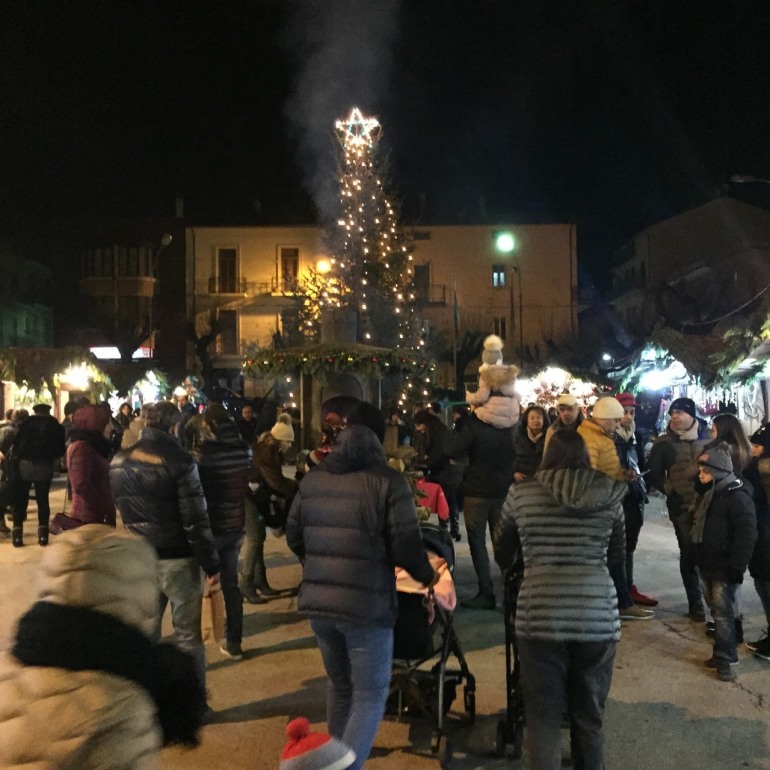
563 500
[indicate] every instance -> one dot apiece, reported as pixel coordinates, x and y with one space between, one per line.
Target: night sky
610 114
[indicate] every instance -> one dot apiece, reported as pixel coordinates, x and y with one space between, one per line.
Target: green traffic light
505 242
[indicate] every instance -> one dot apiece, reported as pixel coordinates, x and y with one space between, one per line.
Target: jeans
559 678
622 587
720 597
228 546
358 660
180 585
481 512
633 516
252 556
42 491
687 567
762 588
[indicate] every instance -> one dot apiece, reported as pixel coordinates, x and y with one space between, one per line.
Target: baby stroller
510 731
420 636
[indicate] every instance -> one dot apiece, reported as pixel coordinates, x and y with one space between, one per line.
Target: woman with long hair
728 428
564 523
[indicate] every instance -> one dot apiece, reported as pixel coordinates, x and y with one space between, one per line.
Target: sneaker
232 650
763 649
727 673
480 602
697 612
635 613
713 662
711 629
637 597
753 646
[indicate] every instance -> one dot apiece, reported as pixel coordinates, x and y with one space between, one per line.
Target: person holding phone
631 455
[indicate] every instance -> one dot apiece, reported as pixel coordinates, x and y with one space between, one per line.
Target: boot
250 595
42 535
261 584
16 537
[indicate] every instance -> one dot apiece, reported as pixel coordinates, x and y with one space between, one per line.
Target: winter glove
734 575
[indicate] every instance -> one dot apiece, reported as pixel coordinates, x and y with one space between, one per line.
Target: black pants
42 490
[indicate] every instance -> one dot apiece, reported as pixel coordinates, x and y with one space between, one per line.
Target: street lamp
505 243
516 268
165 240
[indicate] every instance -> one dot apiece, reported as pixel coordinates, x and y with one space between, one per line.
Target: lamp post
516 268
165 240
505 243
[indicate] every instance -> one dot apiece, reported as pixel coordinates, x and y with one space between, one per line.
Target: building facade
26 319
524 289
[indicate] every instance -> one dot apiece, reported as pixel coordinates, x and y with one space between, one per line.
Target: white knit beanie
493 351
607 408
283 430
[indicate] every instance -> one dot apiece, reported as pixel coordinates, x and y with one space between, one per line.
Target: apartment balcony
240 286
433 295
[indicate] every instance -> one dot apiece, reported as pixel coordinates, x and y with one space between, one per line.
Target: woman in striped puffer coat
566 522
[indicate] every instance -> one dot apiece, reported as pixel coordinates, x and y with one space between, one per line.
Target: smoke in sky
343 51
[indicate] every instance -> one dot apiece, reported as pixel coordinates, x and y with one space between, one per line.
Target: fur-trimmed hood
498 375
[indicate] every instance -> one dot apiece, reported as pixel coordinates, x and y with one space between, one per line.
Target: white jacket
52 718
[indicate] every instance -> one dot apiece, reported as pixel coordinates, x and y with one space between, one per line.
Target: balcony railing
218 285
435 294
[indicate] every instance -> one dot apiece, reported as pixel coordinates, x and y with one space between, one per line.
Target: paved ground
665 710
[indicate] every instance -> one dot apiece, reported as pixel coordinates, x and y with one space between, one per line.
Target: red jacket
89 469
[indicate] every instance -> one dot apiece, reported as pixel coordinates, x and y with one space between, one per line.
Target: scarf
532 436
626 433
78 639
687 434
94 439
704 501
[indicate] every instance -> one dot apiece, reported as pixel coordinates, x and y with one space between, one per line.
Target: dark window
422 280
499 327
228 320
289 268
498 276
421 235
228 276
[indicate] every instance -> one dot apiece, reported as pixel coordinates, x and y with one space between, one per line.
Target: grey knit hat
718 461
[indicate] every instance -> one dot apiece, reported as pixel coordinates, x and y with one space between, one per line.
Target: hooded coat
53 718
352 523
88 466
568 523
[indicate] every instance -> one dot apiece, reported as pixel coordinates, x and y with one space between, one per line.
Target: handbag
213 614
63 523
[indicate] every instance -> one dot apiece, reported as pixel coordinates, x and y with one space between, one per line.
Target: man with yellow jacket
597 433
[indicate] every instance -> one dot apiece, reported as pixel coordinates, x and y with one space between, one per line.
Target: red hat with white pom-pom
313 751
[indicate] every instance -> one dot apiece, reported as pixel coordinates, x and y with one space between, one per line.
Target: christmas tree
369 270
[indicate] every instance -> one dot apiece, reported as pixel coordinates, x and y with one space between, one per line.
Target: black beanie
762 437
683 405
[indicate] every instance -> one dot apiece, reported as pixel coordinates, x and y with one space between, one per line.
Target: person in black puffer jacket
723 534
757 473
158 492
38 446
352 522
224 461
